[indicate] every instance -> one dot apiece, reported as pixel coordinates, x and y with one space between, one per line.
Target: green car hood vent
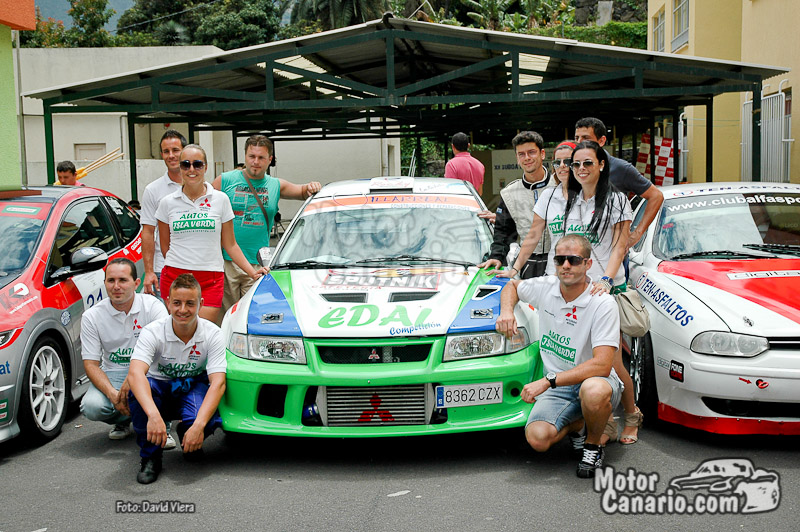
346 297
398 297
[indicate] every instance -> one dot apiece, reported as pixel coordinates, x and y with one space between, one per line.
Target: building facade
18 15
751 31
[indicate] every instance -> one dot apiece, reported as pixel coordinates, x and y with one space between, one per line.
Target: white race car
719 272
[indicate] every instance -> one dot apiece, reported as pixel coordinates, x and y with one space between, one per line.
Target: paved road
479 481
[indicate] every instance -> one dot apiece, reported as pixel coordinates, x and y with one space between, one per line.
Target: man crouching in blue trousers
177 371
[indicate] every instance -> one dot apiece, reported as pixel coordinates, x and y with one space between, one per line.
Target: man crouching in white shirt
578 336
177 371
109 331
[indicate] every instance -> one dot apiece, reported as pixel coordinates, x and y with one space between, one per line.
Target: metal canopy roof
396 77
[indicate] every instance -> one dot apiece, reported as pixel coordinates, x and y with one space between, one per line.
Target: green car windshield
350 235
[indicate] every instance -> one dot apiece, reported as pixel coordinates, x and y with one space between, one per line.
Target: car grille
369 406
754 409
784 343
376 354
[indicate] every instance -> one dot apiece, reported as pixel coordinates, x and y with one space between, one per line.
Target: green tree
441 17
145 16
239 23
170 33
136 38
298 29
49 33
89 17
516 23
488 13
628 34
337 13
539 12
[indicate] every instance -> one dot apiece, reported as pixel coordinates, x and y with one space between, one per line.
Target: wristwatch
551 376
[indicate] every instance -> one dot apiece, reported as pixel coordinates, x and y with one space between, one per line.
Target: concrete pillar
605 9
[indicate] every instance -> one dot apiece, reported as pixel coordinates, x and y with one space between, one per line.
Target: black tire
43 401
643 374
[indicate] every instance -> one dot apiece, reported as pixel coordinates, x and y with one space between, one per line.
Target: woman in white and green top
194 224
592 207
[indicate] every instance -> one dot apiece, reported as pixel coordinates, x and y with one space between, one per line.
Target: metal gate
775 142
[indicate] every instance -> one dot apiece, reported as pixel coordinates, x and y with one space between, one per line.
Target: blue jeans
171 404
562 405
96 406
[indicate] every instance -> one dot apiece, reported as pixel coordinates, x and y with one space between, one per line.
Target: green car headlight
484 344
729 344
268 348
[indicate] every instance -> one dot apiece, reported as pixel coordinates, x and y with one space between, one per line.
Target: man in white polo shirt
172 142
177 371
109 331
579 334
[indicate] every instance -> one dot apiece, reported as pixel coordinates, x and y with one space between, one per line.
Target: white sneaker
120 431
170 443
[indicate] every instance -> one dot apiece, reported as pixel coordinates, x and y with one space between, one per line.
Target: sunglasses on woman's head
197 164
574 260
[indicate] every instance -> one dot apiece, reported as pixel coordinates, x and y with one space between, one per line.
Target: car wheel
643 374
43 404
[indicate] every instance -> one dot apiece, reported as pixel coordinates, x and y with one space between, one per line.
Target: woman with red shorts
194 223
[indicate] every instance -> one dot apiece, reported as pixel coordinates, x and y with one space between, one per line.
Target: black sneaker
592 459
577 439
149 471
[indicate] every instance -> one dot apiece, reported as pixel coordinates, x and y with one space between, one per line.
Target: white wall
114 177
331 160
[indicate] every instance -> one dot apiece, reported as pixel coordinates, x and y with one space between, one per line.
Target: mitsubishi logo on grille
367 415
374 356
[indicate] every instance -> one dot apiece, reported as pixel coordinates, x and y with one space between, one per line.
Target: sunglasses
574 260
558 162
197 164
586 164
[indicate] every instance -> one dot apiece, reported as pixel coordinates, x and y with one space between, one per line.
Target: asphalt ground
477 481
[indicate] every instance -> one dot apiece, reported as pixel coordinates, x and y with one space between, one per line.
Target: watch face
551 375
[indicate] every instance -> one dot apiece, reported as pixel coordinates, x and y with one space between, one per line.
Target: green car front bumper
270 398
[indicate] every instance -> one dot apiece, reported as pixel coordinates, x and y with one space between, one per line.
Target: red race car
54 242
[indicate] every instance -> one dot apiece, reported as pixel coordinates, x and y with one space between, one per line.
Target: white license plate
487 393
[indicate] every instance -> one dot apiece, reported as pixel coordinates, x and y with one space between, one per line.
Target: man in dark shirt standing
624 176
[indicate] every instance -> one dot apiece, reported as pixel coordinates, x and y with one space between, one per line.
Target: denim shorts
562 405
